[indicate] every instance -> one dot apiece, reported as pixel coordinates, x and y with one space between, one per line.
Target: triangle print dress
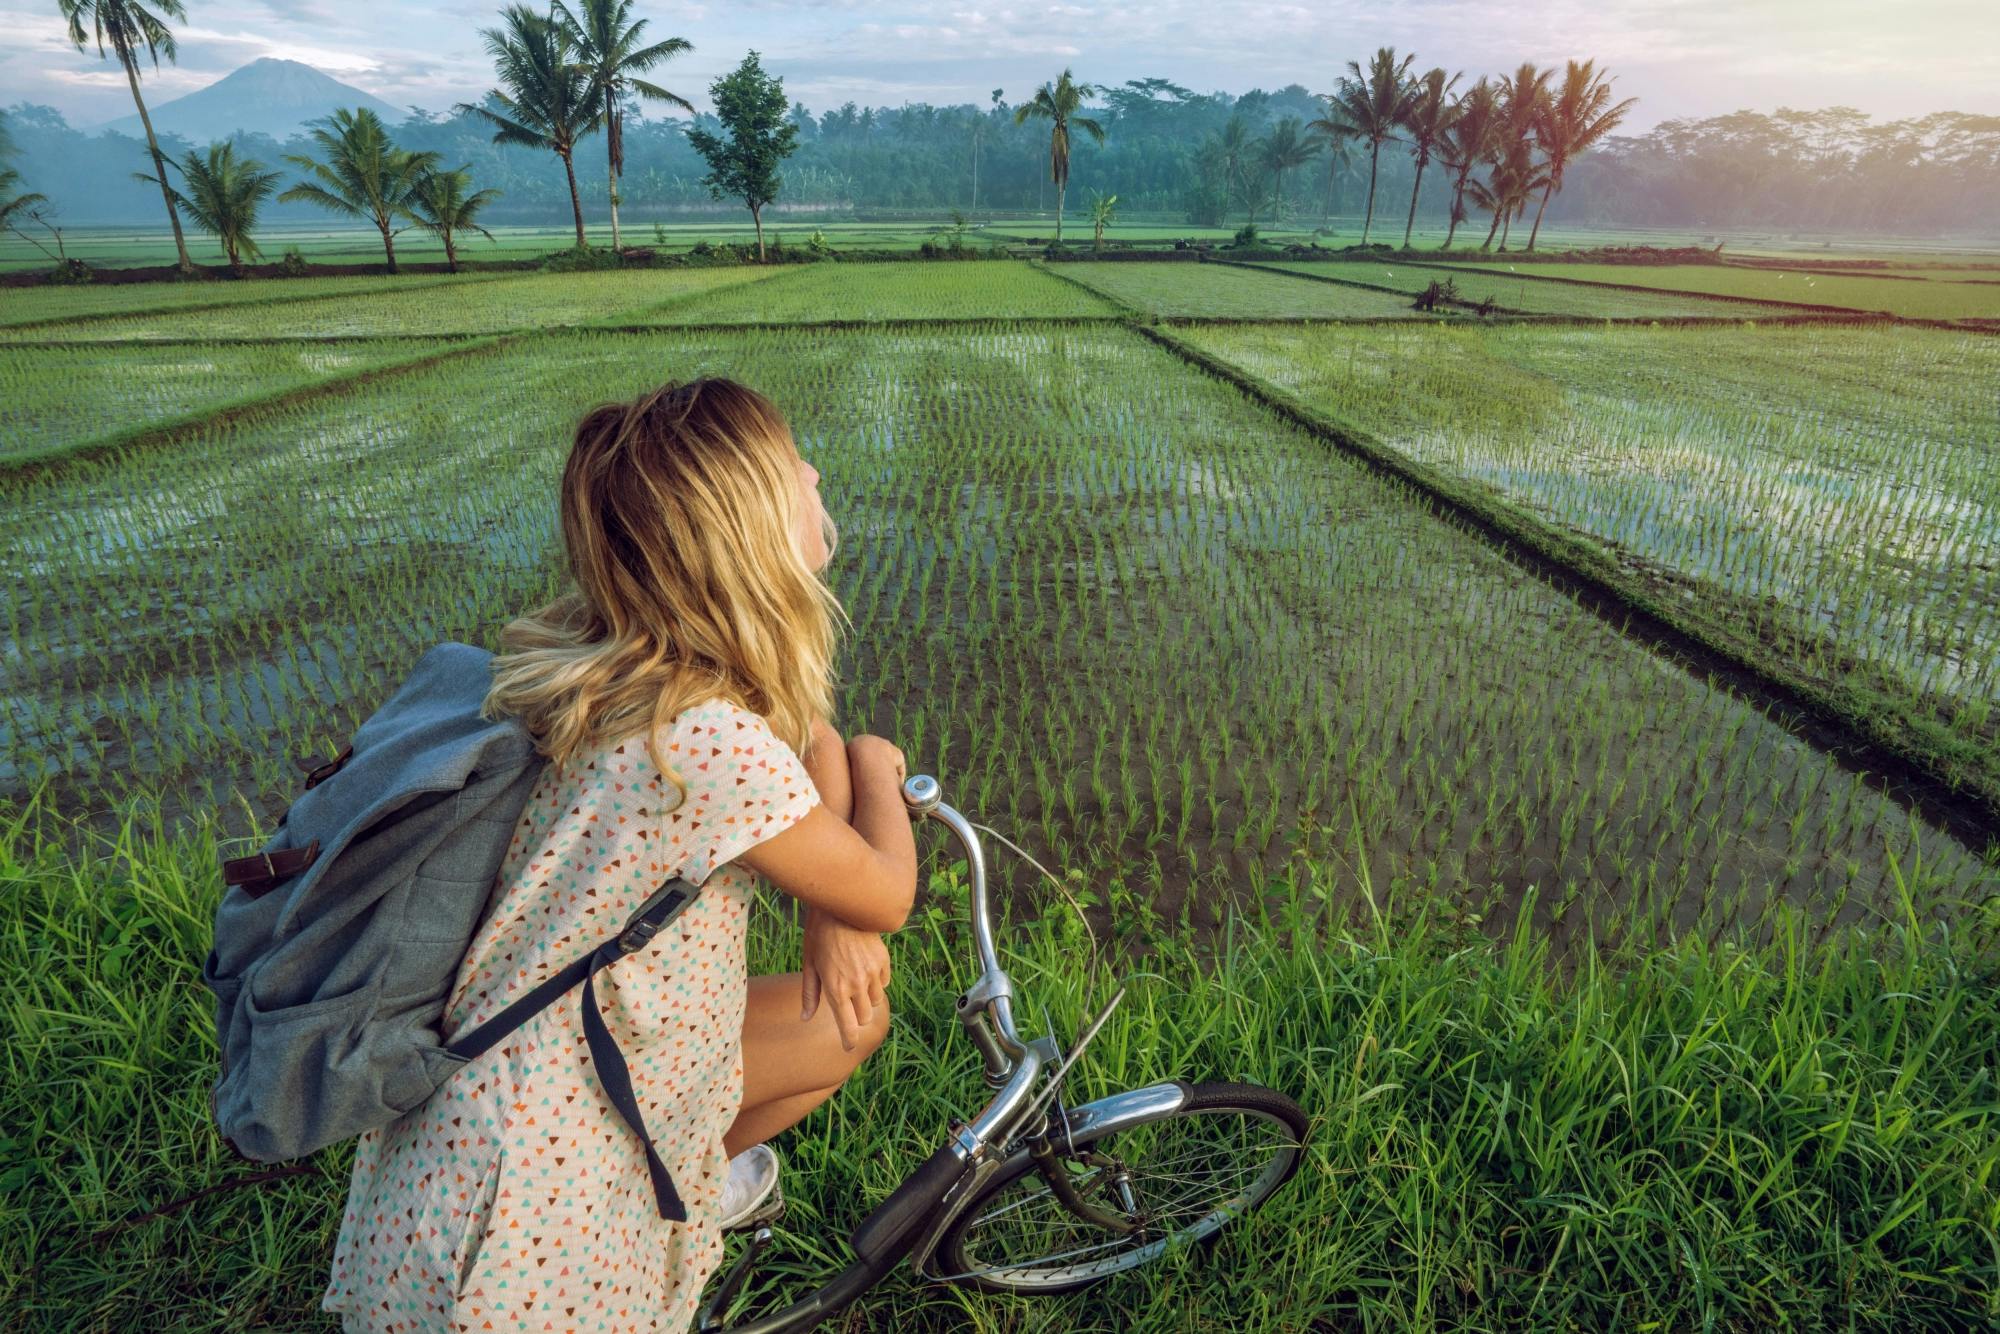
515 1198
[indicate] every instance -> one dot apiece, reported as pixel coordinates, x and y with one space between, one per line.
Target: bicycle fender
1131 1107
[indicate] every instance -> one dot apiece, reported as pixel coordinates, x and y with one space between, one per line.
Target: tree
12 206
1058 104
442 207
1370 106
125 24
1330 130
1570 121
224 193
1514 174
1428 117
1467 142
980 125
751 106
547 98
1282 149
609 46
364 175
1513 180
1233 148
1103 208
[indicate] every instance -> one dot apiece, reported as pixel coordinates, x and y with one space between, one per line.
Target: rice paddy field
1215 291
1622 993
1527 295
1930 301
493 305
908 290
1872 549
45 305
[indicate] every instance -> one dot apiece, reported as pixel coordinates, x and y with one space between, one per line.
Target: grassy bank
1702 1137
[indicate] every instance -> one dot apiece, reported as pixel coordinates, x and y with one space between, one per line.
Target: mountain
274 97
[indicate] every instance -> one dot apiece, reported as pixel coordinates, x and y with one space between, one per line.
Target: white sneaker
753 1176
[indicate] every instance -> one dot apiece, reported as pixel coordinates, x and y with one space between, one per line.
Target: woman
681 690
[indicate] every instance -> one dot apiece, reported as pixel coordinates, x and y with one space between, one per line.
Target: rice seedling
534 301
1829 490
912 290
54 397
41 305
1527 916
1524 294
1930 301
1070 565
1184 290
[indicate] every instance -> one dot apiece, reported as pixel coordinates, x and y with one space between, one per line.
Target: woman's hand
847 966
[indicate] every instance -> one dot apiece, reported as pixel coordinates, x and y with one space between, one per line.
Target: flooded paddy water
1134 620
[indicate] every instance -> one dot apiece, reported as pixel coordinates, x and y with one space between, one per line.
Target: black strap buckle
651 917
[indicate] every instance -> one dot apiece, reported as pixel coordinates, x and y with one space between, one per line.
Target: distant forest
1827 170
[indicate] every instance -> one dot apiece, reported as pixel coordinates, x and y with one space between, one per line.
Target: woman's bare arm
826 760
864 873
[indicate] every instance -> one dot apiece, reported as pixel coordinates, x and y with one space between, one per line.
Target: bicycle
1105 1187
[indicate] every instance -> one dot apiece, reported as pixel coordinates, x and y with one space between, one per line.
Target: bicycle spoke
1207 1168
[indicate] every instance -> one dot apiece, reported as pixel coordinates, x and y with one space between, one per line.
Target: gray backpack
337 945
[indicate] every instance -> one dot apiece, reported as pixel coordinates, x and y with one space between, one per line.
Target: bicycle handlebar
992 992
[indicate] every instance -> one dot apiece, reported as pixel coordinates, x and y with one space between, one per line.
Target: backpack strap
667 902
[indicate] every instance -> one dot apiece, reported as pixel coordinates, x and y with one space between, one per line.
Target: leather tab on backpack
317 771
261 872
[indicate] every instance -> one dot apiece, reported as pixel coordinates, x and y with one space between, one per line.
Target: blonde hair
678 512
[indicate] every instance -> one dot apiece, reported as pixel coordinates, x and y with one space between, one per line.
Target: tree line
581 71
562 76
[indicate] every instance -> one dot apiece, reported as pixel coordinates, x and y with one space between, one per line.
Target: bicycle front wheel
1163 1183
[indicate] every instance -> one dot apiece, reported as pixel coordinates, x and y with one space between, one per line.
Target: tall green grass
1700 1137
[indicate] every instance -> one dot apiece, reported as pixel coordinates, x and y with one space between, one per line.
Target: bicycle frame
914 1217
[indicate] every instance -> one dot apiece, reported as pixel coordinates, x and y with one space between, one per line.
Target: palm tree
1103 208
1466 144
981 124
1331 132
1282 149
10 204
442 207
1572 120
1429 116
1370 106
547 99
126 24
609 47
223 195
364 175
1521 99
1232 149
1512 182
1058 103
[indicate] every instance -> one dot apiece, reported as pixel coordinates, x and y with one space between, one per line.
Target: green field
1619 998
1185 289
1526 295
1850 519
523 301
43 305
58 398
1929 301
912 290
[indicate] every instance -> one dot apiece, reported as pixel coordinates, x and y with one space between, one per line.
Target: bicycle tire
963 1253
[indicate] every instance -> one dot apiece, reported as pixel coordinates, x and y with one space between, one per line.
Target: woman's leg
789 1066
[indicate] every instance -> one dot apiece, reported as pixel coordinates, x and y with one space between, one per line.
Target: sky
1680 58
